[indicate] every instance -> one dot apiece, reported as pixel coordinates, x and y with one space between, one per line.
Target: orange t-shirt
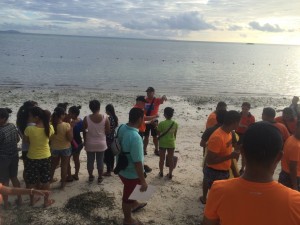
241 202
246 121
142 128
291 152
155 106
211 120
290 125
283 130
220 143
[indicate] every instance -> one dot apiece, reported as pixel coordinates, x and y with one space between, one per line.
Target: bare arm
203 143
22 191
107 126
140 172
163 99
213 158
293 174
85 127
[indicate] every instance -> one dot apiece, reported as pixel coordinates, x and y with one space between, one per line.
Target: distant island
10 31
249 43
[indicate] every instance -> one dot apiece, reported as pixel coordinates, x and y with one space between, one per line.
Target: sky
246 21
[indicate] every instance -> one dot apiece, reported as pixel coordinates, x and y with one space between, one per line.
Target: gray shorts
8 168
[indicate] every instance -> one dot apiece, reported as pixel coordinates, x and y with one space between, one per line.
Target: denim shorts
62 152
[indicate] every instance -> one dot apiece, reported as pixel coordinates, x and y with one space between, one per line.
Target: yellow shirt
39 142
59 140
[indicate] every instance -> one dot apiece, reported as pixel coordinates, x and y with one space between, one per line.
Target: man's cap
141 98
150 89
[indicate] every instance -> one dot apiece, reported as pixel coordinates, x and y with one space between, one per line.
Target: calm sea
131 65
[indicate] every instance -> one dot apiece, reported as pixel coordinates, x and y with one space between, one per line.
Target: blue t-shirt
131 142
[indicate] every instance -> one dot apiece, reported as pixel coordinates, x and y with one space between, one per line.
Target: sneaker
147 169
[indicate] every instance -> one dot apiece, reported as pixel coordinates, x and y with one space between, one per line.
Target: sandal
170 176
107 174
100 179
50 202
91 178
139 207
75 177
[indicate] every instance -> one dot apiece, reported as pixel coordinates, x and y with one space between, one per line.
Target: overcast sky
258 21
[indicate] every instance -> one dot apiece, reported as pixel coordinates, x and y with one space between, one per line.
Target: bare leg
146 142
170 159
155 142
47 201
64 167
127 207
77 164
16 183
5 197
54 163
162 156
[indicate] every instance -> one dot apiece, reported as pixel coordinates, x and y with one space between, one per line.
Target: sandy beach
174 202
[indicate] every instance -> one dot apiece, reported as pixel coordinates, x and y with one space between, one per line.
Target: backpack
115 145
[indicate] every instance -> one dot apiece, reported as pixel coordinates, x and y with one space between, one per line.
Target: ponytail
75 110
43 116
58 112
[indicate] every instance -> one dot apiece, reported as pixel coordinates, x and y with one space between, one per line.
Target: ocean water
131 65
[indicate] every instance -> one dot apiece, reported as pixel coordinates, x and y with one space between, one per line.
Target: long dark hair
57 113
23 114
75 110
42 115
110 108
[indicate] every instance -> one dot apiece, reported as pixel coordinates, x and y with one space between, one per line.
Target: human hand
164 97
144 187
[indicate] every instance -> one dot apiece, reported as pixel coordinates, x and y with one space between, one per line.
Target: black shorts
8 168
151 127
38 170
211 175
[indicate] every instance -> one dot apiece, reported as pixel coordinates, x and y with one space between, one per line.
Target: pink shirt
95 136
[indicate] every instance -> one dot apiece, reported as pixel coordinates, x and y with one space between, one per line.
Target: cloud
190 21
234 28
266 27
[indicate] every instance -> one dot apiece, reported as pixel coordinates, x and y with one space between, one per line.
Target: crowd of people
51 139
252 197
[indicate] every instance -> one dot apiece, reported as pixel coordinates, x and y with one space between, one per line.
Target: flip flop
50 202
139 207
201 200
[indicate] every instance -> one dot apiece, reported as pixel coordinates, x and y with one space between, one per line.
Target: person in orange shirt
219 153
212 118
151 109
268 115
140 103
246 120
288 119
256 197
290 168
